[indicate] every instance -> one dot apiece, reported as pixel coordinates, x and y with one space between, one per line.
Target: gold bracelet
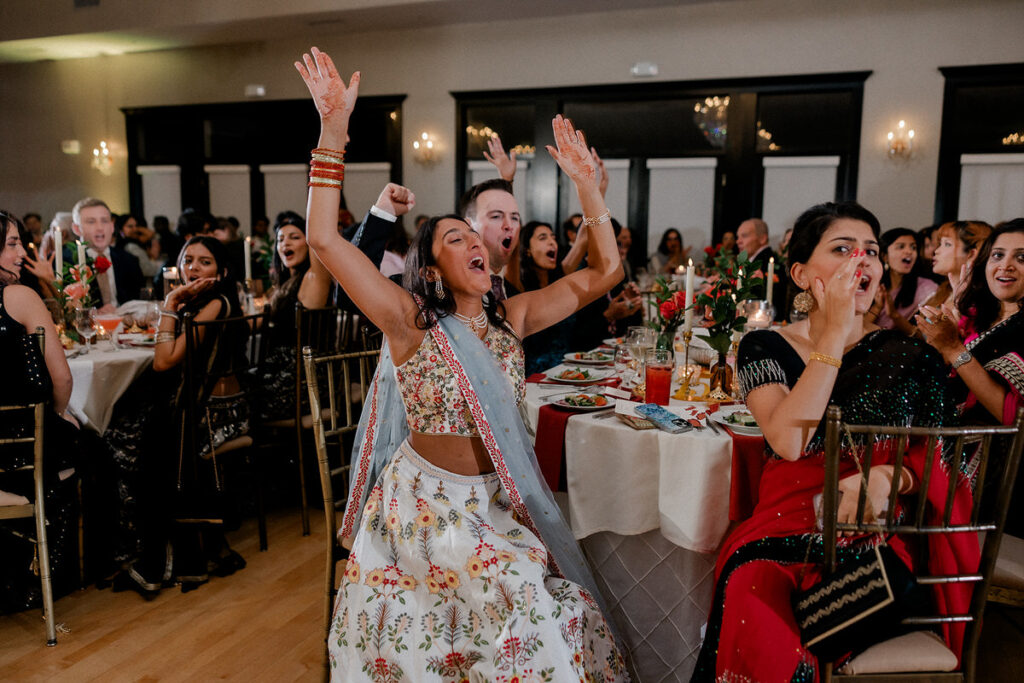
164 337
828 360
603 218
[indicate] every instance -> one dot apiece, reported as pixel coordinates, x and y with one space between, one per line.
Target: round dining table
100 378
650 509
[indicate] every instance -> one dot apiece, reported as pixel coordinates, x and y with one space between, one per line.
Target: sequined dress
886 378
26 380
444 582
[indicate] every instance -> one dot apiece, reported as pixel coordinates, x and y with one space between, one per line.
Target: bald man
752 237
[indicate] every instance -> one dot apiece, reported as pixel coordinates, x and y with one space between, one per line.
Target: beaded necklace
477 322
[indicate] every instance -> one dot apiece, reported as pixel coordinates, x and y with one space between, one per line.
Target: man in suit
752 237
492 210
121 278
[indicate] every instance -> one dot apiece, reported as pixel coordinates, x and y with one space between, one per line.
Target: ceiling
38 30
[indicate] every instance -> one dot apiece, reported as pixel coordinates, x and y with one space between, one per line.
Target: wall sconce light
423 149
900 141
101 160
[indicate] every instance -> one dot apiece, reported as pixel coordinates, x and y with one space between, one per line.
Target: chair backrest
202 347
973 442
337 383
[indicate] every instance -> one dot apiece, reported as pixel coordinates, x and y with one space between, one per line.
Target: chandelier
711 116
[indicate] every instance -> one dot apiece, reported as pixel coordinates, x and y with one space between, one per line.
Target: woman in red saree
788 379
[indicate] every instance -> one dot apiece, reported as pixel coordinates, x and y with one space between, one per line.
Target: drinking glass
624 363
85 325
109 322
658 367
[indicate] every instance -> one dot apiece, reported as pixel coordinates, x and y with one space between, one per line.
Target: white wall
903 43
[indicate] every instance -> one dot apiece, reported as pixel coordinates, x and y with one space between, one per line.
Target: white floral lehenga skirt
444 584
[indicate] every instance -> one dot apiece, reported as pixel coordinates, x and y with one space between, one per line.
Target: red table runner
747 464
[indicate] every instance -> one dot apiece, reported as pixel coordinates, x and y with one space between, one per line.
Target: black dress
26 380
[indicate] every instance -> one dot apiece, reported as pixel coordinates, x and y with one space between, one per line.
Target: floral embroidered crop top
433 402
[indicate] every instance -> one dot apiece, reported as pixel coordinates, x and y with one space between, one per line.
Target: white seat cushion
1009 572
915 651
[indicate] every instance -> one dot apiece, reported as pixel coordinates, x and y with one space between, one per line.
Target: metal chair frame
255 355
36 508
917 524
341 420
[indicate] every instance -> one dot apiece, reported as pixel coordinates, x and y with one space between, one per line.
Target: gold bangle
603 218
828 360
164 337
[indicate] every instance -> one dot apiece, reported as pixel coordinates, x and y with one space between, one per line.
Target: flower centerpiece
729 284
74 292
670 312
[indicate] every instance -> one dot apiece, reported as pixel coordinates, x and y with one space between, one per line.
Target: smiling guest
118 277
901 291
539 267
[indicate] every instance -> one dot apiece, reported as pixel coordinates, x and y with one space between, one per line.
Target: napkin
550 444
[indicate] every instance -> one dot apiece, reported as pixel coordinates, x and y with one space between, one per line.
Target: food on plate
574 375
585 400
741 418
592 356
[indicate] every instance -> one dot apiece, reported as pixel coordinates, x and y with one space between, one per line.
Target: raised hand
505 163
396 200
836 298
959 282
571 154
40 267
333 99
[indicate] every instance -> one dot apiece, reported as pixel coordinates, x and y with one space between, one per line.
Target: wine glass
85 325
624 363
109 322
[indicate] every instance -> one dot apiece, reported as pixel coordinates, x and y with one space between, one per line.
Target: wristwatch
962 359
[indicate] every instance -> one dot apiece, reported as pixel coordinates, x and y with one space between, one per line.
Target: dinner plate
748 430
594 375
601 358
613 341
561 403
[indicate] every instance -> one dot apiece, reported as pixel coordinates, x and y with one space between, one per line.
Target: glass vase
721 378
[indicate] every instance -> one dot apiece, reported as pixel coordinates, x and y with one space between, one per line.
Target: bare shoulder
21 301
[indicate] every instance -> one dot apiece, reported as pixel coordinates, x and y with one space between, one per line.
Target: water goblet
85 325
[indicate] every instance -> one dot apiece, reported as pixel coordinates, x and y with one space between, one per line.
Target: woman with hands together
788 378
448 517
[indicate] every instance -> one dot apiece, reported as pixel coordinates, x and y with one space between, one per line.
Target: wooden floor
263 623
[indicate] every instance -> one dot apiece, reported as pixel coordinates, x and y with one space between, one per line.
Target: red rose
667 309
709 251
679 300
102 264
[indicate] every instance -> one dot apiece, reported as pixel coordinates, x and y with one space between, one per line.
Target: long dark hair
286 282
417 260
527 267
663 245
8 222
227 286
977 299
908 285
813 223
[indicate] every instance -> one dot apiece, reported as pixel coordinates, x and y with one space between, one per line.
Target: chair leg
43 553
303 501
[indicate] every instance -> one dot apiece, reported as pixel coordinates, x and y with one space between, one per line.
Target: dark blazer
128 277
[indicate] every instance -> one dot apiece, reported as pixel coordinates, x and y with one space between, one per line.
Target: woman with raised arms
462 567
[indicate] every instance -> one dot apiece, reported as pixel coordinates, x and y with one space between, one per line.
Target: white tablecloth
629 482
650 509
100 378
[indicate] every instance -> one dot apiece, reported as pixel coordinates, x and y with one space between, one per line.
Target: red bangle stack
327 168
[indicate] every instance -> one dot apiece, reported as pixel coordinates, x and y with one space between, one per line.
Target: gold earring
804 302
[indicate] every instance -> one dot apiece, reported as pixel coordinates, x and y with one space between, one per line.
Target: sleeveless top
26 378
433 402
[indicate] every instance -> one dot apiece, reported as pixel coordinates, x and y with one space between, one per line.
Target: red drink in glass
108 322
659 381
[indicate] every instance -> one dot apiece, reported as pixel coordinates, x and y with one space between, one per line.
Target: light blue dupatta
382 428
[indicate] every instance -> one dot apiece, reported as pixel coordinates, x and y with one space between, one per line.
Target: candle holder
759 315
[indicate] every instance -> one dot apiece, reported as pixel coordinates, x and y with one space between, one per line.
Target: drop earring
439 289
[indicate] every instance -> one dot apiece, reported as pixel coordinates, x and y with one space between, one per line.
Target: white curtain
682 196
229 193
991 187
792 185
161 191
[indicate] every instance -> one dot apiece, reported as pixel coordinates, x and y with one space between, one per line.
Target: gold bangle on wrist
828 360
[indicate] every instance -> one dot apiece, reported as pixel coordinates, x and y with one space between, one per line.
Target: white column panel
363 183
682 196
230 193
479 171
793 185
617 198
161 191
284 188
991 187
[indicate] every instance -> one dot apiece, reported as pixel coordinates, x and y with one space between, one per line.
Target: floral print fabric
433 402
444 584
